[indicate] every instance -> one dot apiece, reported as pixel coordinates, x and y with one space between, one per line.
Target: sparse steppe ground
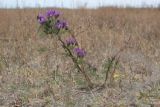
34 72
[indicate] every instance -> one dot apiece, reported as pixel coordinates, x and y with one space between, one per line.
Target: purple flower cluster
53 13
71 41
60 24
47 18
79 52
50 13
41 19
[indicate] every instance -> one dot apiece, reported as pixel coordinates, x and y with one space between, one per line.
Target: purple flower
71 41
60 24
79 52
53 13
41 19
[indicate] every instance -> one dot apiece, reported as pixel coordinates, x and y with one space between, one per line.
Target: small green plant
108 65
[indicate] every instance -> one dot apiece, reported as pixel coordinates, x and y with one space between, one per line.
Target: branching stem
90 84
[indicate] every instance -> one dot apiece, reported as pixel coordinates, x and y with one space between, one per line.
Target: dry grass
34 73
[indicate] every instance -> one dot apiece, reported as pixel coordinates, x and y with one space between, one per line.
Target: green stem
90 84
108 69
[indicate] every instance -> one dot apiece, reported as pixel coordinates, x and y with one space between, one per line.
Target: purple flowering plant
51 24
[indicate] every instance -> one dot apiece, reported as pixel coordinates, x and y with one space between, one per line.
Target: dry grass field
35 73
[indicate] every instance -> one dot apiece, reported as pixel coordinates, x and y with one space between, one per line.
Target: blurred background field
72 4
35 73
